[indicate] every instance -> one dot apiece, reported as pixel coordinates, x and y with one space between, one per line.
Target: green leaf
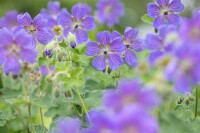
145 18
38 129
2 122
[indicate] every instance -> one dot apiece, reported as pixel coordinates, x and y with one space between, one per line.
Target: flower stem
196 103
82 103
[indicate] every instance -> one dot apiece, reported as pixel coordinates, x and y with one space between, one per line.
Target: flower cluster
112 46
125 111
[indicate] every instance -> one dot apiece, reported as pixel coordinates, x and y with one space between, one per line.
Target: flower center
13 49
57 30
30 29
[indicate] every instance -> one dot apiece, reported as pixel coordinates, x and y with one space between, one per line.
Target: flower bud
71 40
56 92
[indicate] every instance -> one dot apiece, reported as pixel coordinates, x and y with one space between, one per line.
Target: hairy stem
196 102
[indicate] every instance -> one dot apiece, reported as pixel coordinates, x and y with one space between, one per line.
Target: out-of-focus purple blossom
14 49
162 44
132 44
102 122
45 70
35 27
78 23
107 51
109 11
164 12
189 30
48 53
9 20
68 126
130 92
134 119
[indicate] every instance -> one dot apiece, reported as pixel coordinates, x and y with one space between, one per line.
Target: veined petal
81 36
173 19
54 6
137 45
24 20
28 55
67 30
43 36
78 12
117 45
23 39
115 34
130 33
104 37
153 42
114 61
39 22
153 10
99 62
6 37
176 6
65 19
130 57
159 21
92 48
12 65
88 23
163 3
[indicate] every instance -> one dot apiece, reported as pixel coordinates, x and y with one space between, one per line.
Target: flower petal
24 40
153 10
104 37
130 57
28 55
152 42
163 3
115 34
137 45
92 48
3 53
153 57
173 19
54 7
159 21
6 37
43 36
88 23
67 30
114 61
176 6
182 84
130 33
99 62
79 12
81 36
24 20
117 45
12 65
39 22
65 19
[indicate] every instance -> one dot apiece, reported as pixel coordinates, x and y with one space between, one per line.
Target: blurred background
134 9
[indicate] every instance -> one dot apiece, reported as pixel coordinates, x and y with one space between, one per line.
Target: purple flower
35 27
107 51
101 122
132 44
130 92
9 20
164 12
162 44
134 119
78 23
45 70
15 48
68 126
189 30
109 11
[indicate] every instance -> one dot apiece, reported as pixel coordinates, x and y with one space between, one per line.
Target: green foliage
146 19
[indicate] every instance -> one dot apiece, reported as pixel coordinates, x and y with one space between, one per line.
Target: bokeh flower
15 49
77 23
109 11
164 12
107 51
9 20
